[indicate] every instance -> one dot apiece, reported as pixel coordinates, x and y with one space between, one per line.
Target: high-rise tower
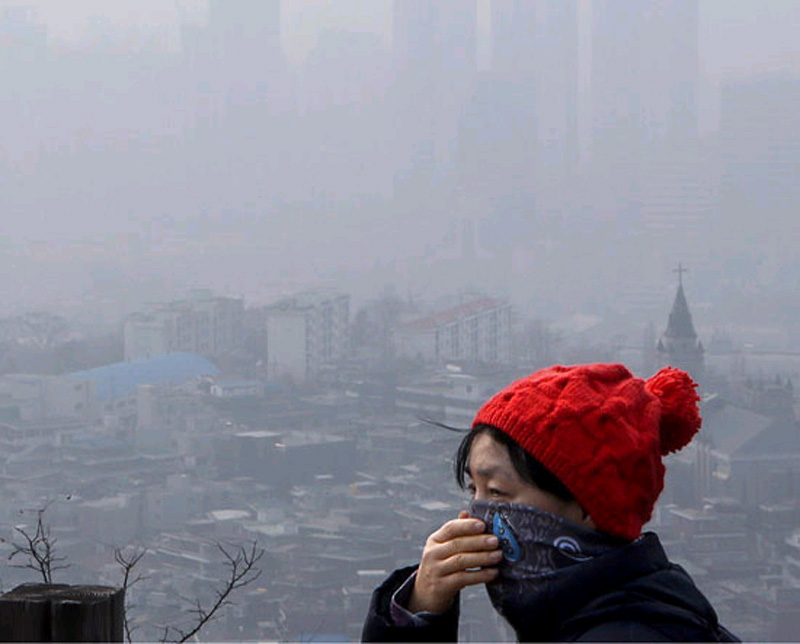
644 75
23 36
246 29
535 65
645 66
435 58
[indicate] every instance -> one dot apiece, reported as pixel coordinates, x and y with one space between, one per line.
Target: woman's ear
587 521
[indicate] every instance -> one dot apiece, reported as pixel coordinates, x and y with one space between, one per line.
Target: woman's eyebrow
485 472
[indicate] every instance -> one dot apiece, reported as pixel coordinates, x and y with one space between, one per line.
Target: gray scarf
536 546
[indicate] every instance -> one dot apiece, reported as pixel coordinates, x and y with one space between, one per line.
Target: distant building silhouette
476 331
649 355
760 154
306 333
679 346
238 55
202 324
535 66
435 57
247 32
645 68
23 37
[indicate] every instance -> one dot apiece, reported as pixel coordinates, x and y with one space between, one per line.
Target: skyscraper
643 87
247 35
513 29
556 106
435 58
535 61
671 39
760 183
23 38
246 29
513 74
238 61
645 66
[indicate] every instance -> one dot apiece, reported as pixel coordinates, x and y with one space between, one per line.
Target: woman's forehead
487 457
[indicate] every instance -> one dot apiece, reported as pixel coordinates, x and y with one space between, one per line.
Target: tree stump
62 613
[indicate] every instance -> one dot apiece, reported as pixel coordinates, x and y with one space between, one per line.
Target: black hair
528 467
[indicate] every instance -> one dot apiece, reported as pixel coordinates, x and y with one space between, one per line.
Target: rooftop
454 314
258 433
308 299
120 380
731 428
228 515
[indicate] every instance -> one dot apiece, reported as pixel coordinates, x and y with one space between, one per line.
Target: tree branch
242 570
128 563
39 548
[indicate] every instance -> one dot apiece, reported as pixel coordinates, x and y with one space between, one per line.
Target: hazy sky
67 19
118 192
303 19
742 31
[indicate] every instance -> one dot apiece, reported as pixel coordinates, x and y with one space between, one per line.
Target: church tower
679 346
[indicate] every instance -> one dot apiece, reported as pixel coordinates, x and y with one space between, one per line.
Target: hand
457 555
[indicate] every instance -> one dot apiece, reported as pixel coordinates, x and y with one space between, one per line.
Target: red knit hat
602 432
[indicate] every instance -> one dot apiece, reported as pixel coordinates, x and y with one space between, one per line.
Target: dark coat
632 594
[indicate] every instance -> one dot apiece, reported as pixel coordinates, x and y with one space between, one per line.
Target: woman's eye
496 492
471 490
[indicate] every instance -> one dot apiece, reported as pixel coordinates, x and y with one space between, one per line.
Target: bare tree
240 562
242 570
39 548
128 563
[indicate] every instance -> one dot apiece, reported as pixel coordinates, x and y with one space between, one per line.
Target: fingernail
491 541
479 526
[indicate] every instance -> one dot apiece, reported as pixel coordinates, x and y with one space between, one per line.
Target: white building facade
205 325
306 332
477 331
38 397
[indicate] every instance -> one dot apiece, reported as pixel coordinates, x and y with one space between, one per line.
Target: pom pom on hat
680 414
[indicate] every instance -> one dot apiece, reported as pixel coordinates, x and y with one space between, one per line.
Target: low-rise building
476 331
232 389
24 435
116 385
287 458
38 397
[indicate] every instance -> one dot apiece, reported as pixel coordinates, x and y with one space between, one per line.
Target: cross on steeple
680 271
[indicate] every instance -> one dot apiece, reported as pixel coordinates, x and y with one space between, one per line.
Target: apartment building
203 324
305 332
475 331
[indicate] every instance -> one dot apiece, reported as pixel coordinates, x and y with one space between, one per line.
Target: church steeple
679 345
680 318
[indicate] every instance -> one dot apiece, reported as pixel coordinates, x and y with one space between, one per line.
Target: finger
463 514
447 586
458 528
466 578
473 543
467 561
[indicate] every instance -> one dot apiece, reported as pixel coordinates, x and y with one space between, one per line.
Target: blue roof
119 380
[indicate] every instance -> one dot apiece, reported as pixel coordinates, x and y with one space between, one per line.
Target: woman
564 467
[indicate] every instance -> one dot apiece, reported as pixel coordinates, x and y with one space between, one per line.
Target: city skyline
751 32
391 153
